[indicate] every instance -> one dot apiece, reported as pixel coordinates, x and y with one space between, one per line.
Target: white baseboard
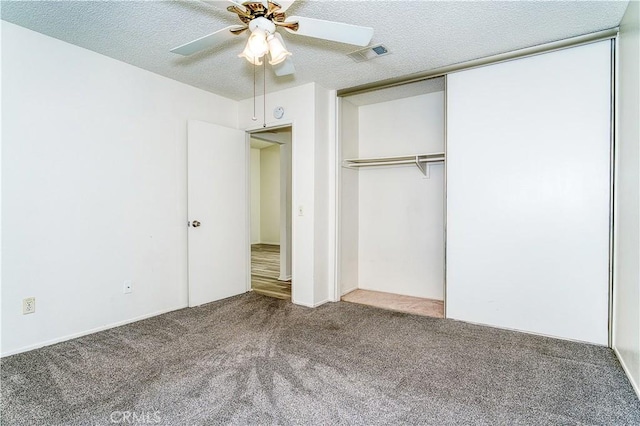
308 305
286 278
349 290
91 331
636 386
269 243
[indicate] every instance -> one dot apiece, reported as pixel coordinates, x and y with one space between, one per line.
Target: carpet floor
252 359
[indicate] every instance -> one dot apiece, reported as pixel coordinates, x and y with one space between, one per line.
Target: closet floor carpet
397 302
252 359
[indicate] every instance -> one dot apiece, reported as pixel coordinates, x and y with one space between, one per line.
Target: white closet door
528 148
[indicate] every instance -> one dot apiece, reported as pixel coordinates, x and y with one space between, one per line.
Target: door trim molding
248 132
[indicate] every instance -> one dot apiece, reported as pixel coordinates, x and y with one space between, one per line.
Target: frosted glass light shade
277 50
258 43
248 55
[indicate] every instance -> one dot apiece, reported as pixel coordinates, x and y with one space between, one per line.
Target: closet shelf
419 160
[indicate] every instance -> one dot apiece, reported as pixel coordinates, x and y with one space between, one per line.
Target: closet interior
392 198
528 235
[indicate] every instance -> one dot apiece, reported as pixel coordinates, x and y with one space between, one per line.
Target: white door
217 209
528 187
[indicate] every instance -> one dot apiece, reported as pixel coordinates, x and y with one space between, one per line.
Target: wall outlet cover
28 305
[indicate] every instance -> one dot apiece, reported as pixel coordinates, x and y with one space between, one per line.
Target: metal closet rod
502 57
394 162
421 161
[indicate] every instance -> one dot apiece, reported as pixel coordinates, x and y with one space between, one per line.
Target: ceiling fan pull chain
254 118
264 97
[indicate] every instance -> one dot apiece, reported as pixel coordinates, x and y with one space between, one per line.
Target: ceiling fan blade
237 3
284 5
284 68
207 41
329 30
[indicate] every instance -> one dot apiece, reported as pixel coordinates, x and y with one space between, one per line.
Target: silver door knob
195 223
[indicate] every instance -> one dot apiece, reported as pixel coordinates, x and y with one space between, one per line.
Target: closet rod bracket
423 166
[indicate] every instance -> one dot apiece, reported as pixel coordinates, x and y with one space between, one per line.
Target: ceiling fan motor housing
263 23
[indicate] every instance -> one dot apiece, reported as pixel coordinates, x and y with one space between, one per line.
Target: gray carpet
257 360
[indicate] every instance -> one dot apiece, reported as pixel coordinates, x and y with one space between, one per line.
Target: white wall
324 250
528 177
270 195
300 111
285 208
255 196
626 320
401 214
349 198
94 188
1 186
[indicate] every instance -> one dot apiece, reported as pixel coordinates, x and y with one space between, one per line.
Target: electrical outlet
28 305
128 287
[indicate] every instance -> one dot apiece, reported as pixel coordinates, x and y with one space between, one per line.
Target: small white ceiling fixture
262 18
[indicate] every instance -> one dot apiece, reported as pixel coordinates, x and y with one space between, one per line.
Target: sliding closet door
528 182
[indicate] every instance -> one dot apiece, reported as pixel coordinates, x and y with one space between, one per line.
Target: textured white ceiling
421 35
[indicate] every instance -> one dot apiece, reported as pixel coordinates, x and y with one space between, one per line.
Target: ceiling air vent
369 53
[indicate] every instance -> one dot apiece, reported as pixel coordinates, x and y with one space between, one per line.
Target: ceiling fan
262 18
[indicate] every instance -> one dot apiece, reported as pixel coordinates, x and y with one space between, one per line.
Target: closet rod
421 161
394 162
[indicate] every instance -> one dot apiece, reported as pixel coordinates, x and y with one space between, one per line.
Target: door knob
195 223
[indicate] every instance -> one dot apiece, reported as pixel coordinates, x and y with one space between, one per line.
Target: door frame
248 132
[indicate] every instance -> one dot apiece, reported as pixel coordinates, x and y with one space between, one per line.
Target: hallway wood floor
265 269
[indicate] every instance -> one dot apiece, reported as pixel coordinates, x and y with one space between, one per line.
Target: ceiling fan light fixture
257 43
249 56
277 49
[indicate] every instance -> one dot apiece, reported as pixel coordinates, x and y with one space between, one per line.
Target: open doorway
270 201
